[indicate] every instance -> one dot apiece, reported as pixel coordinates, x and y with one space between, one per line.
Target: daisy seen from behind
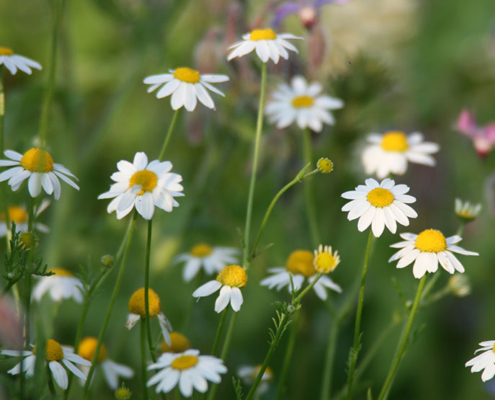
229 281
143 185
188 370
303 104
485 361
267 43
179 344
13 61
111 370
466 211
379 205
301 266
427 250
390 153
56 355
61 286
211 259
186 86
38 166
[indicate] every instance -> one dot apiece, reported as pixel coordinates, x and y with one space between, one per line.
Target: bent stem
403 341
169 135
309 191
353 355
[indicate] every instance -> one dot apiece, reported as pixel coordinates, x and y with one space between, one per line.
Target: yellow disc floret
431 241
136 303
201 250
123 393
146 179
187 75
61 272
233 276
184 362
267 376
262 34
380 197
302 101
87 349
301 262
16 214
325 261
53 350
324 165
179 343
37 160
394 141
5 51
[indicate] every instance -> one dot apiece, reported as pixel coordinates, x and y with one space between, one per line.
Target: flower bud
107 261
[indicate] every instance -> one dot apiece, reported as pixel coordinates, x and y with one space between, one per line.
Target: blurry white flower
20 216
467 211
13 61
248 375
485 361
459 285
62 285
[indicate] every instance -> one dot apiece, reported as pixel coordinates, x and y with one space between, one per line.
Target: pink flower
483 137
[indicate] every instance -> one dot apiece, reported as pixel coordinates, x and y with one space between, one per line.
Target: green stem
52 73
51 386
144 376
326 385
403 341
146 290
309 192
308 288
357 327
3 191
112 302
169 135
288 356
257 140
219 331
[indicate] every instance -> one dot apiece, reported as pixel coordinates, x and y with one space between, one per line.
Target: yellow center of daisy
147 179
53 350
5 51
493 348
37 160
262 34
16 214
61 272
302 101
394 141
184 362
201 250
87 349
325 262
301 262
179 343
187 75
136 303
233 276
257 369
380 197
431 241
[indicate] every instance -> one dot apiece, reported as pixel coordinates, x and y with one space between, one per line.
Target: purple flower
483 137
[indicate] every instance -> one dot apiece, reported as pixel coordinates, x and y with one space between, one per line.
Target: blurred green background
397 64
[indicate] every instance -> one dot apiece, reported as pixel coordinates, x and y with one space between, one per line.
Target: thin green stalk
51 386
326 385
257 140
169 135
403 341
144 375
309 191
52 72
357 327
308 288
3 191
112 302
219 331
288 355
146 289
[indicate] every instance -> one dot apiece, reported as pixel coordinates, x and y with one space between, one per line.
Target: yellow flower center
16 214
325 263
201 250
123 393
301 262
146 179
380 197
184 362
394 141
136 303
233 276
262 34
257 369
27 240
324 165
187 75
302 101
493 348
53 350
431 241
37 160
179 344
61 272
5 51
87 349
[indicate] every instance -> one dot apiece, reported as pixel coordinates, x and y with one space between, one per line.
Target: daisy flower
427 250
38 166
56 355
186 86
301 265
484 361
62 285
389 153
179 343
248 375
267 44
144 185
230 280
111 370
189 370
20 216
459 285
13 62
212 259
137 310
466 211
379 205
301 103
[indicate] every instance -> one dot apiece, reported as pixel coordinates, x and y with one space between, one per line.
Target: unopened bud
123 393
107 261
28 241
324 165
459 285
